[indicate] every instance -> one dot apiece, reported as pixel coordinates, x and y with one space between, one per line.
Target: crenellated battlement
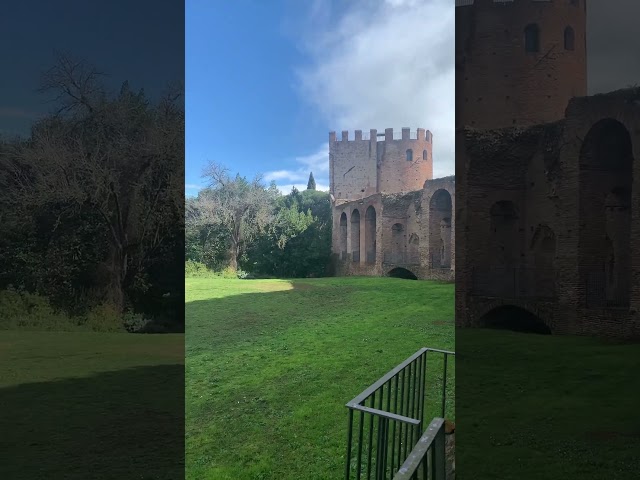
388 135
368 163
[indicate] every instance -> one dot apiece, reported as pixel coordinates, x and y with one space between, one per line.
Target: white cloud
286 189
381 64
317 162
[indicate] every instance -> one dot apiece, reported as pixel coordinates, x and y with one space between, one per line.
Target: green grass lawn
270 365
80 405
553 407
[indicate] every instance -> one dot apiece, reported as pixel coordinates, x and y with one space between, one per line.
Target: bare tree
242 208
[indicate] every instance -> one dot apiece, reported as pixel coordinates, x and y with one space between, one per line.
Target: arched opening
516 319
409 155
604 249
440 213
400 272
355 236
370 234
424 155
569 39
343 236
532 38
414 249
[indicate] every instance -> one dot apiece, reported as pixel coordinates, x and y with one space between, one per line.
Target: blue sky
267 81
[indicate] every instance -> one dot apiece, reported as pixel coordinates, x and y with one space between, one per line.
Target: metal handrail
396 402
431 441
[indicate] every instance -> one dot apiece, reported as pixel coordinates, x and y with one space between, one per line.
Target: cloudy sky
612 45
298 70
148 49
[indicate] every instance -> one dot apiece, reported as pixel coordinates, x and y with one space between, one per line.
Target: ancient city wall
555 209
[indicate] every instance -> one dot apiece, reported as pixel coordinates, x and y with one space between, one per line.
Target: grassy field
559 407
270 365
79 405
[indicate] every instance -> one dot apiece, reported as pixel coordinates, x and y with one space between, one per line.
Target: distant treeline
243 226
92 203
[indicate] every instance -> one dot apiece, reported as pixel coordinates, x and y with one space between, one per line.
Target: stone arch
532 38
605 185
400 272
569 38
440 212
343 236
370 234
355 235
514 318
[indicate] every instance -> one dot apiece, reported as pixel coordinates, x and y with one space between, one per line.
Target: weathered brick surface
407 247
560 178
361 167
498 83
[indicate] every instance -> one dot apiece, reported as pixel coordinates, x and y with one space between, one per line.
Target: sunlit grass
271 364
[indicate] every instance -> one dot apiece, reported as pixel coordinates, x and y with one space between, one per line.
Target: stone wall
540 206
364 165
403 237
500 84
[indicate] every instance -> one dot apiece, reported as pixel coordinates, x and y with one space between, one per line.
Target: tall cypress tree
311 185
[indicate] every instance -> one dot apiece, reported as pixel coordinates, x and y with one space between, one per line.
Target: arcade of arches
412 231
552 220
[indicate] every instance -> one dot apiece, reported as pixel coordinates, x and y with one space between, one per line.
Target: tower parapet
518 62
370 163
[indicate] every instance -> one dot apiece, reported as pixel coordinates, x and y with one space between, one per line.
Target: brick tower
518 62
379 163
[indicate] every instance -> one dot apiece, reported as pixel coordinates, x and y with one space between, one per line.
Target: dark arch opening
400 272
343 236
440 236
355 236
370 234
515 319
605 247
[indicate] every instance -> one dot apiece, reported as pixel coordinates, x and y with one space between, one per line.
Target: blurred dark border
547 269
92 240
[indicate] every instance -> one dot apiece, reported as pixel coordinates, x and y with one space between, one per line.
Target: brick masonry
548 215
388 212
549 219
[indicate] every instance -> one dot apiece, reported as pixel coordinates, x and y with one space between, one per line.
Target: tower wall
364 166
500 84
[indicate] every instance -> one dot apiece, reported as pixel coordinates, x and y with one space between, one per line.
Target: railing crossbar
389 415
378 384
419 452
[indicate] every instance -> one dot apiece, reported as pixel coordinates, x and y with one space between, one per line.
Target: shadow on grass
544 406
124 424
269 372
